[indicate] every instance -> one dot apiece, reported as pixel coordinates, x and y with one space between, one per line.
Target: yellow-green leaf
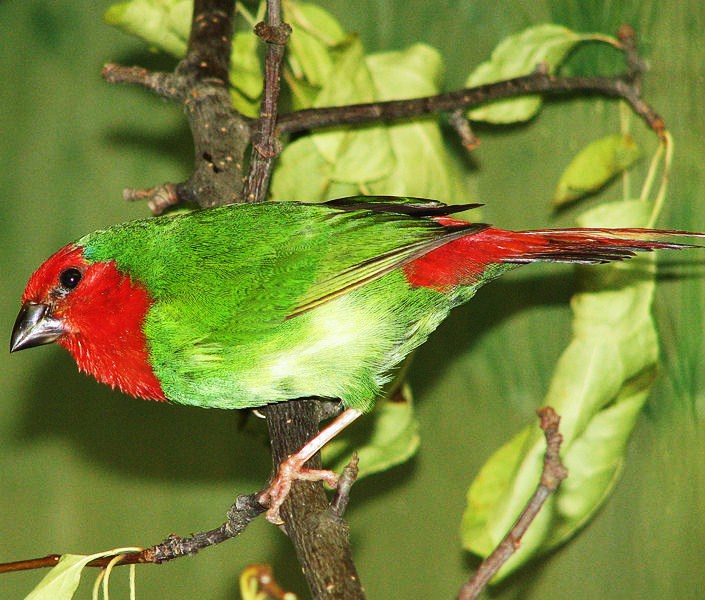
424 166
402 159
163 24
246 76
61 582
315 32
392 438
357 154
518 55
594 166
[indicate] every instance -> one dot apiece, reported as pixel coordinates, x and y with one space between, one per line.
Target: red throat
104 317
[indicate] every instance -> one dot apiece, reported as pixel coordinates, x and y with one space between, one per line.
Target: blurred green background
83 469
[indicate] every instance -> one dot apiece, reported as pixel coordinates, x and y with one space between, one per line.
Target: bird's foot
290 470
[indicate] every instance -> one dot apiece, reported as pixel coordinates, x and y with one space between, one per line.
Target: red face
96 313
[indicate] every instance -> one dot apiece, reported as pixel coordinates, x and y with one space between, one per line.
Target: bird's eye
70 277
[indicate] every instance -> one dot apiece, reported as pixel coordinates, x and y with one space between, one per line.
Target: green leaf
246 75
407 158
163 24
392 439
594 166
359 154
519 55
301 173
598 388
423 166
61 582
315 32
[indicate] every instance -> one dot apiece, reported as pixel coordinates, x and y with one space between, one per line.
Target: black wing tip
402 205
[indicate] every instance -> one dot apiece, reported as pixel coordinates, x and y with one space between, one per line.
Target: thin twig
461 124
265 143
551 476
241 513
166 85
345 483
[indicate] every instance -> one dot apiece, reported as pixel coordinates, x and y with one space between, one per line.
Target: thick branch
201 83
317 530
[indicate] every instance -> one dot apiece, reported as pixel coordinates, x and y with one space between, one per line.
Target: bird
243 305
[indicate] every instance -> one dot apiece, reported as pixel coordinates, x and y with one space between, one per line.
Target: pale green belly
345 349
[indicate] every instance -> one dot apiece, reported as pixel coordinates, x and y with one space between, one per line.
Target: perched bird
244 305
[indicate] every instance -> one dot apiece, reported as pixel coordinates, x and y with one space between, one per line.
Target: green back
250 266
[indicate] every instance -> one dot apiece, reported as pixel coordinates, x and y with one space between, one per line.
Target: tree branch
266 146
624 86
553 473
241 513
200 83
318 532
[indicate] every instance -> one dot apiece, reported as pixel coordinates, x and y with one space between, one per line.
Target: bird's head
94 311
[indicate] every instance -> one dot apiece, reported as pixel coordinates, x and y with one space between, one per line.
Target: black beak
34 327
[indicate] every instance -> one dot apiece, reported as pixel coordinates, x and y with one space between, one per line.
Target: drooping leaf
598 388
391 440
403 158
546 45
594 166
61 582
315 32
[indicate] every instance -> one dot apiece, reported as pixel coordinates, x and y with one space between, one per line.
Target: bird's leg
292 468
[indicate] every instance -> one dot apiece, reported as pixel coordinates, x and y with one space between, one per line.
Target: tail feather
464 261
590 246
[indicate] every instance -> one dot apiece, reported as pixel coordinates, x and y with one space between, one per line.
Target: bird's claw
290 470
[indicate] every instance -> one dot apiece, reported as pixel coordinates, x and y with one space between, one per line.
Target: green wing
415 236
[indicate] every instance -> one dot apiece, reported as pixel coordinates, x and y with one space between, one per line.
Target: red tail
463 261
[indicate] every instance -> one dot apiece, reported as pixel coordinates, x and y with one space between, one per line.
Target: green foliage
61 582
316 34
393 438
598 388
164 25
86 448
396 159
544 46
388 159
594 166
